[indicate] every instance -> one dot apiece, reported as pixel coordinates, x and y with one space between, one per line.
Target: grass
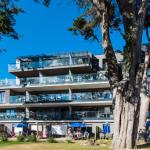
47 146
63 145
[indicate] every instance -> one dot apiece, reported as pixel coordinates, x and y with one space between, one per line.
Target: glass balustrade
12 115
92 96
79 115
49 115
93 77
64 115
47 98
8 82
86 96
17 99
49 63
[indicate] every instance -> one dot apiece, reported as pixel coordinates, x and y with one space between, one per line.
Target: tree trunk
143 111
126 118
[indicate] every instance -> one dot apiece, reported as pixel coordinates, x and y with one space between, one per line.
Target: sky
44 31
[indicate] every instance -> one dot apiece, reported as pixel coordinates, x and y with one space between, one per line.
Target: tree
129 82
8 10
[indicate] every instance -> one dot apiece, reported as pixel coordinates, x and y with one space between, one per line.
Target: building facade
56 90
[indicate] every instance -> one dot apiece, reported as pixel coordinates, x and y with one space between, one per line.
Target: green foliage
97 132
51 140
83 27
87 23
69 141
32 138
8 11
21 138
3 137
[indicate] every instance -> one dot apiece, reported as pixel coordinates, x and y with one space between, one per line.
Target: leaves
84 28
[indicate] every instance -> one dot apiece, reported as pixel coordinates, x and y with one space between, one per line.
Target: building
56 90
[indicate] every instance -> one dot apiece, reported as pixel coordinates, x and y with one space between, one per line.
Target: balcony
17 99
74 97
84 115
78 78
50 63
12 116
91 115
8 82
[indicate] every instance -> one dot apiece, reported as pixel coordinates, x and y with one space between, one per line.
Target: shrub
32 138
20 138
3 137
70 141
51 140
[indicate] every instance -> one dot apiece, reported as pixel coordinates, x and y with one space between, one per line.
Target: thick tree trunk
145 100
126 118
143 111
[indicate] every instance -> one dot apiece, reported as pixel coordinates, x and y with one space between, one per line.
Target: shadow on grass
146 145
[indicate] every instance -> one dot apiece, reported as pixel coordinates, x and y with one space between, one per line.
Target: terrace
50 80
48 62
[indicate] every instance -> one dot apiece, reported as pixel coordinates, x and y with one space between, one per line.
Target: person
86 134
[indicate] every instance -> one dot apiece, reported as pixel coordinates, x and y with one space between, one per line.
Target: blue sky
44 31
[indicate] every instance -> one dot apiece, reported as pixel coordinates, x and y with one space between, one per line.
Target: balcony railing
93 77
76 78
7 82
86 96
17 99
47 98
84 115
49 63
12 116
81 115
92 96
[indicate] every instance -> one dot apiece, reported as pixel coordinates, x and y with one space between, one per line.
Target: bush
70 141
20 138
51 140
3 137
32 138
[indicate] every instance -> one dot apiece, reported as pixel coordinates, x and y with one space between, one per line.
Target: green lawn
80 145
50 146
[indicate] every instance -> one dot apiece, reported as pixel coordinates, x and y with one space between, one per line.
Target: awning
148 123
106 128
21 125
77 124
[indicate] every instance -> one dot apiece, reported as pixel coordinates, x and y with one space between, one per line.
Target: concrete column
27 96
70 60
27 111
41 77
70 94
18 66
17 81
